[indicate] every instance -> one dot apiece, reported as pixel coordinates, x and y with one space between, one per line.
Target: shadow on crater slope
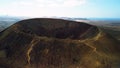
57 43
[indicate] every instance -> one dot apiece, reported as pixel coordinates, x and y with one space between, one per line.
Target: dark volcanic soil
57 43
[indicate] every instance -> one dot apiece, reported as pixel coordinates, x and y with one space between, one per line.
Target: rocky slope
57 43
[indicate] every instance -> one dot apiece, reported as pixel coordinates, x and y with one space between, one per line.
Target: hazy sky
61 8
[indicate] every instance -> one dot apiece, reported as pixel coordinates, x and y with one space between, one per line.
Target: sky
61 8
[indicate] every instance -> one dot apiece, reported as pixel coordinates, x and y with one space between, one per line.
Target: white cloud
73 3
51 3
43 7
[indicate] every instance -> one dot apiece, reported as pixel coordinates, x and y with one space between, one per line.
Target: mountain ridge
57 43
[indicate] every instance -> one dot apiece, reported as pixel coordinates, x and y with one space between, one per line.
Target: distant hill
57 43
6 21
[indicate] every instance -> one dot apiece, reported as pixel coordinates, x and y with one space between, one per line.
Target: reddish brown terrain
57 43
